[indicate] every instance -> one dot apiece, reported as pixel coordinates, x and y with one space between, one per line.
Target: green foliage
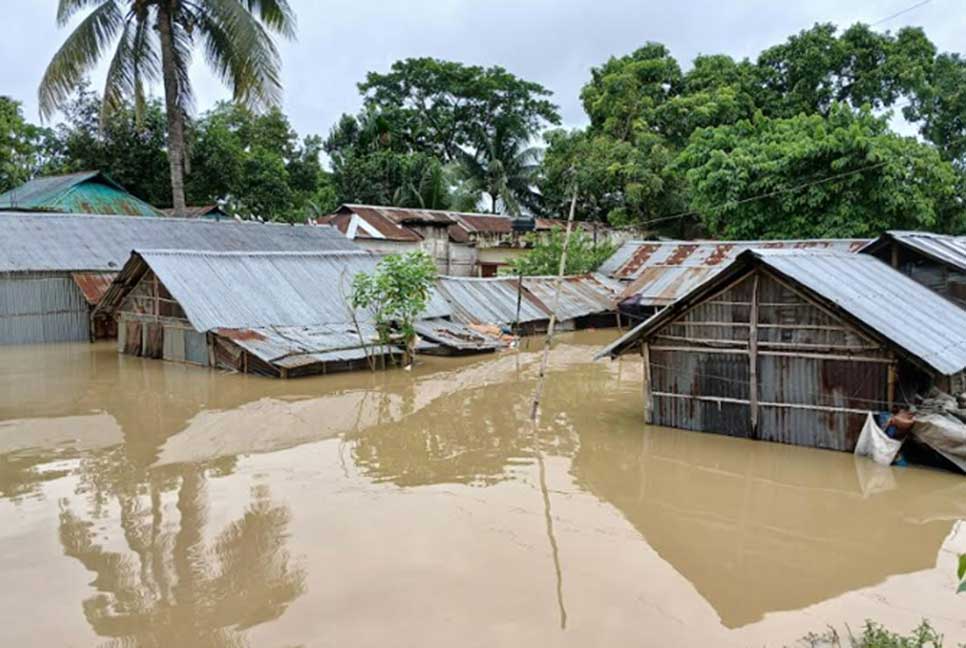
21 145
396 293
623 94
441 107
131 149
619 182
939 106
876 636
961 574
544 256
426 115
257 165
881 180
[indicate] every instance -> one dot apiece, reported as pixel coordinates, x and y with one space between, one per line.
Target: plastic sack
876 444
945 434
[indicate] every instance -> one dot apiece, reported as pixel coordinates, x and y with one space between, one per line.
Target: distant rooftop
89 192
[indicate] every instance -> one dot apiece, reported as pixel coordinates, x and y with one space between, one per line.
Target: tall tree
21 145
504 167
154 40
812 176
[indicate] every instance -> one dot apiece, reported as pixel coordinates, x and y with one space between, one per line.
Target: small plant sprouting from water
875 635
961 574
396 294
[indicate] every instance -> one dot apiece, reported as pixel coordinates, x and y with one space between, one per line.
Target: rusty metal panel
93 285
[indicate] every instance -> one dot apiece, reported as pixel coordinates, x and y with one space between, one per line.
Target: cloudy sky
553 42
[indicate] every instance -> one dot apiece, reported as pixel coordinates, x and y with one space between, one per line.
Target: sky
552 42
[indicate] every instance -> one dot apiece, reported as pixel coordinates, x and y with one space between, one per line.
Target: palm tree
154 41
504 166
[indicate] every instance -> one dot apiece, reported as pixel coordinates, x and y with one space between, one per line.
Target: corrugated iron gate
42 308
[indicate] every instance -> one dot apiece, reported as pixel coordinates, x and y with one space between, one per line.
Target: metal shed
494 300
937 261
777 346
274 313
53 267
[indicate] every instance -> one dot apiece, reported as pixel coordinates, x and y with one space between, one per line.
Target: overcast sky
553 42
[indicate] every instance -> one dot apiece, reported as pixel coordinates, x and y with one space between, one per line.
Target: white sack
875 443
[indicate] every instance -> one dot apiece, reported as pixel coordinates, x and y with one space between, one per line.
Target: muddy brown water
151 504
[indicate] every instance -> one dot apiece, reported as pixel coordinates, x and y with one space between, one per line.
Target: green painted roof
88 192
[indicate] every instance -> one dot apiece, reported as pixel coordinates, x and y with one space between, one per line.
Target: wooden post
895 255
646 361
753 358
891 389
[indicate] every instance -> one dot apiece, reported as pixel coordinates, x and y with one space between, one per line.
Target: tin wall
38 308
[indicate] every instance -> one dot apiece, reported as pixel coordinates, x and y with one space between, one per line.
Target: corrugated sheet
455 336
38 309
75 242
301 346
890 303
256 289
89 192
493 300
950 250
660 272
912 317
93 285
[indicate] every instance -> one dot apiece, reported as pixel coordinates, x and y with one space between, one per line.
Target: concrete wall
40 308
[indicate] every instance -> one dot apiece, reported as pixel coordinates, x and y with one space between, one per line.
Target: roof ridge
243 253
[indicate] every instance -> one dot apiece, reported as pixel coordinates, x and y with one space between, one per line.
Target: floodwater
151 504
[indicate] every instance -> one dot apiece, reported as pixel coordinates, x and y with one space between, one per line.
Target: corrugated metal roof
386 228
242 290
93 285
90 192
300 346
873 294
493 300
456 336
403 215
659 272
944 248
79 242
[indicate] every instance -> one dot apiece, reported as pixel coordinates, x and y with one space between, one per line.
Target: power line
899 13
770 194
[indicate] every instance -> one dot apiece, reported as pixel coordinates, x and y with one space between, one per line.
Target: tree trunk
172 105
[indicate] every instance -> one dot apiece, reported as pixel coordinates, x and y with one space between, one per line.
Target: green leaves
844 175
961 574
544 256
397 293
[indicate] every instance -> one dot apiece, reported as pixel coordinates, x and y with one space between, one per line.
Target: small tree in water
396 294
583 255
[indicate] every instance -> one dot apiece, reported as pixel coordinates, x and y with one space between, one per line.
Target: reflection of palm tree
184 591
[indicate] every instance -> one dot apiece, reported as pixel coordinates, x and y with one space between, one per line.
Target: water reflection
174 588
760 527
177 489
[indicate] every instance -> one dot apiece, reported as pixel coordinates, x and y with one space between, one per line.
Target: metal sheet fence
37 309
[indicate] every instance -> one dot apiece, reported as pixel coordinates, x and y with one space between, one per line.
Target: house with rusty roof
654 274
937 261
54 268
463 244
796 346
88 192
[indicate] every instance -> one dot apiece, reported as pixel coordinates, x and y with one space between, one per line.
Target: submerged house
88 192
55 267
509 302
796 346
937 261
281 314
654 274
